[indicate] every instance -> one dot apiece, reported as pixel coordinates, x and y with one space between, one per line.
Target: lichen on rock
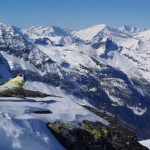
95 135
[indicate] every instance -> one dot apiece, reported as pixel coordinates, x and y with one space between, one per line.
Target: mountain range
108 68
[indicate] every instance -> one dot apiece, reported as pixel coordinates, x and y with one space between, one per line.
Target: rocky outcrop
23 93
95 135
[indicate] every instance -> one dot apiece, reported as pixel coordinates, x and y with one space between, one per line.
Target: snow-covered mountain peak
100 31
91 32
130 29
8 29
47 31
53 34
5 26
144 36
2 24
98 27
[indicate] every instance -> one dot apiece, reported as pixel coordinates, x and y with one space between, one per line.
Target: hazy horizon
75 14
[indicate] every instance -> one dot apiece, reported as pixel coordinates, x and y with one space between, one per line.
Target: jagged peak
45 28
48 31
1 24
9 28
129 28
99 26
4 25
89 33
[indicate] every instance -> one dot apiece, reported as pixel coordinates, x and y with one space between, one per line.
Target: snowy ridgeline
22 129
131 55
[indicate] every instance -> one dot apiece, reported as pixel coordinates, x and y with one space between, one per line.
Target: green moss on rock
57 126
96 134
54 127
85 137
100 132
105 132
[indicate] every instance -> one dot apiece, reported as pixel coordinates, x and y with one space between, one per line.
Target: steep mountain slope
55 36
25 120
107 67
99 31
22 128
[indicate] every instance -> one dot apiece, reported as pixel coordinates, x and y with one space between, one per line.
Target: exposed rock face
23 93
122 136
73 138
95 135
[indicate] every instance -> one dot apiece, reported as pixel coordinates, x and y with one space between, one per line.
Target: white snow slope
22 129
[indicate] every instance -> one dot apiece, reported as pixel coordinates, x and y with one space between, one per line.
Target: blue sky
75 14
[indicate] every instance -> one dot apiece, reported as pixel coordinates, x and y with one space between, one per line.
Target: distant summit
91 32
130 29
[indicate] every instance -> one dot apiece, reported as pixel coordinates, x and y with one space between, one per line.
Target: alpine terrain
76 83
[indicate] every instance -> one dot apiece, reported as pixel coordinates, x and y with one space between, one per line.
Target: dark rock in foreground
121 136
23 93
73 138
95 135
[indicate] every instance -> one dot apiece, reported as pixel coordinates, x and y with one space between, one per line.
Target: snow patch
138 111
145 143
